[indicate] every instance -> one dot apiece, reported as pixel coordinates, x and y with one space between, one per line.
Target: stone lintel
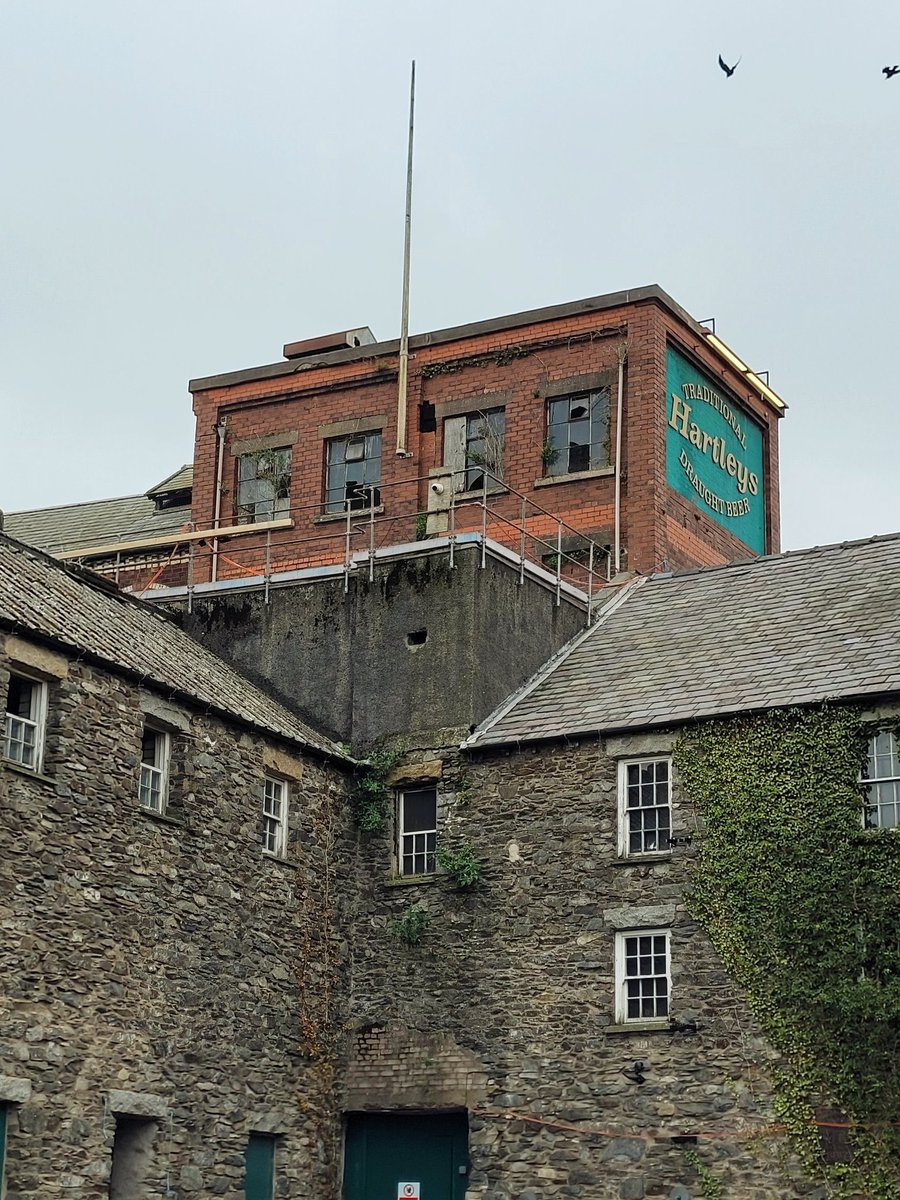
137 1104
409 773
168 715
14 1090
281 763
636 745
644 916
39 658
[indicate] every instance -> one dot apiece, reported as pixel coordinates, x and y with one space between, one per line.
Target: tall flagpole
403 372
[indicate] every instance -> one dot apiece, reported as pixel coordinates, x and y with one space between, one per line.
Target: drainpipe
403 365
622 351
220 433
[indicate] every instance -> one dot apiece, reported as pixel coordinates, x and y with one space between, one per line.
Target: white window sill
575 477
638 1027
642 860
355 513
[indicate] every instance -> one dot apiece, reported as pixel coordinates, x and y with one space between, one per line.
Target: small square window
264 485
645 806
643 983
353 472
275 817
577 433
153 783
881 783
26 718
417 831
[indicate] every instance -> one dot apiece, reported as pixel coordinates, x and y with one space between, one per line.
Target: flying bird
729 71
887 72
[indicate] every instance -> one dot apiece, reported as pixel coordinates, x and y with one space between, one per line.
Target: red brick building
526 425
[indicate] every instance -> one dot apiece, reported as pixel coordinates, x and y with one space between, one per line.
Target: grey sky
188 184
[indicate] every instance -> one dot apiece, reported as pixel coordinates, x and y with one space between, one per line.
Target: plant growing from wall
549 453
801 903
462 865
410 925
710 1186
371 794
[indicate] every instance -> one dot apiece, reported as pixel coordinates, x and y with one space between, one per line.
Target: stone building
168 854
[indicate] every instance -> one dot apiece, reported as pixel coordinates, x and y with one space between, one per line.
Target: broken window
353 472
474 448
264 485
417 830
26 708
577 433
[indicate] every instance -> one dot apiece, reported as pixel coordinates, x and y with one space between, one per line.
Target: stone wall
163 967
507 1003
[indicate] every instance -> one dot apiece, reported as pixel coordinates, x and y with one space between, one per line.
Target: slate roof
71 526
66 527
86 615
789 629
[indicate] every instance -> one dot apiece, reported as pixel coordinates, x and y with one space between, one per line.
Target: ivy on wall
802 905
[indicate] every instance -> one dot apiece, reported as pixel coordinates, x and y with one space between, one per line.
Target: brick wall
514 368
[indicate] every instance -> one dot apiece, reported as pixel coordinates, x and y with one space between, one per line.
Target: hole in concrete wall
132 1158
418 637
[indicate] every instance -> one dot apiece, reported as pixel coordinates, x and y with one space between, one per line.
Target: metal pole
590 580
217 515
268 562
190 578
347 553
622 349
371 535
403 368
452 527
558 560
483 518
522 546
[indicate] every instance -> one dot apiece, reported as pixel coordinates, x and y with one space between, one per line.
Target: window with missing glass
645 806
353 472
264 485
417 831
643 984
474 448
26 714
577 433
881 782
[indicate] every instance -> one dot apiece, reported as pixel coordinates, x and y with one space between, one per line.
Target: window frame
159 769
871 784
459 434
624 812
621 978
37 721
253 512
560 463
429 851
368 493
281 838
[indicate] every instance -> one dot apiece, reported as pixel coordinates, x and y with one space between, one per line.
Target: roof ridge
780 556
555 660
23 512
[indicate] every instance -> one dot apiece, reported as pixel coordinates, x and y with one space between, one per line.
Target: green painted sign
714 452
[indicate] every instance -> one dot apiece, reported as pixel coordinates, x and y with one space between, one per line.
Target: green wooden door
385 1150
2 1143
259 1167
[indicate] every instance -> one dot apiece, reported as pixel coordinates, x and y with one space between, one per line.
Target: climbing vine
801 903
371 793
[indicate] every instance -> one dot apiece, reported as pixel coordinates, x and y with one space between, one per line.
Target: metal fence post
268 563
558 561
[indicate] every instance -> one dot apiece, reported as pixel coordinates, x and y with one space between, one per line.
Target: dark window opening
485 446
577 433
418 637
353 472
264 485
418 831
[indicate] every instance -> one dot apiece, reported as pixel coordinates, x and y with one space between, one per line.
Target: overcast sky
188 184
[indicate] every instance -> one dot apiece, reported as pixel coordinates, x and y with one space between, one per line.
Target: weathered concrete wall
164 967
345 661
506 1006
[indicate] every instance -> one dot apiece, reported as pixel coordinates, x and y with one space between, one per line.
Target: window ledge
575 477
476 492
26 771
280 859
643 860
163 817
639 1027
324 518
410 880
